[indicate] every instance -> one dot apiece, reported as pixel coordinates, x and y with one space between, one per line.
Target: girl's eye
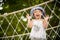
35 12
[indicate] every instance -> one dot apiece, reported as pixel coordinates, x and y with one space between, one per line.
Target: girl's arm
45 22
30 23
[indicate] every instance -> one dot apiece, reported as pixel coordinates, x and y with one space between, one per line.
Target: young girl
38 24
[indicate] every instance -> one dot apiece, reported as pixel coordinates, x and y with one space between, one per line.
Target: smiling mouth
37 15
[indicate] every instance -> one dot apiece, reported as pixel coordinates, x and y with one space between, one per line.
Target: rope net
13 26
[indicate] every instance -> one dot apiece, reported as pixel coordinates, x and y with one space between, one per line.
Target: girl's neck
37 18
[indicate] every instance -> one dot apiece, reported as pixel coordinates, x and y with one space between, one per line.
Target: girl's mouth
37 15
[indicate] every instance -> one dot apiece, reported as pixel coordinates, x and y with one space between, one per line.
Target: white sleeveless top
38 30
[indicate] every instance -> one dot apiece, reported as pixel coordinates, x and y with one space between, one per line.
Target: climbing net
13 26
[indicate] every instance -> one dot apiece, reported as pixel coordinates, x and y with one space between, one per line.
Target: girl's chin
37 17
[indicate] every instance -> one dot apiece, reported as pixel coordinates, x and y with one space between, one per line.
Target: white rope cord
55 15
59 19
28 33
57 1
5 14
12 26
53 12
24 10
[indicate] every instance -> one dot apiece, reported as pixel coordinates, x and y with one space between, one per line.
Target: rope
28 33
5 14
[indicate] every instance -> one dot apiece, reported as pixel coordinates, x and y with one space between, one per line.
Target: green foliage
13 5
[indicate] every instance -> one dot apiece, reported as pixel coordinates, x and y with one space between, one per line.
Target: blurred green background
18 24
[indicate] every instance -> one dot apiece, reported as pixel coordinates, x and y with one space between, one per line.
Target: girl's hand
28 17
47 18
45 22
30 23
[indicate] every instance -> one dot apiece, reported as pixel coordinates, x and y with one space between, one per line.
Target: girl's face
37 14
